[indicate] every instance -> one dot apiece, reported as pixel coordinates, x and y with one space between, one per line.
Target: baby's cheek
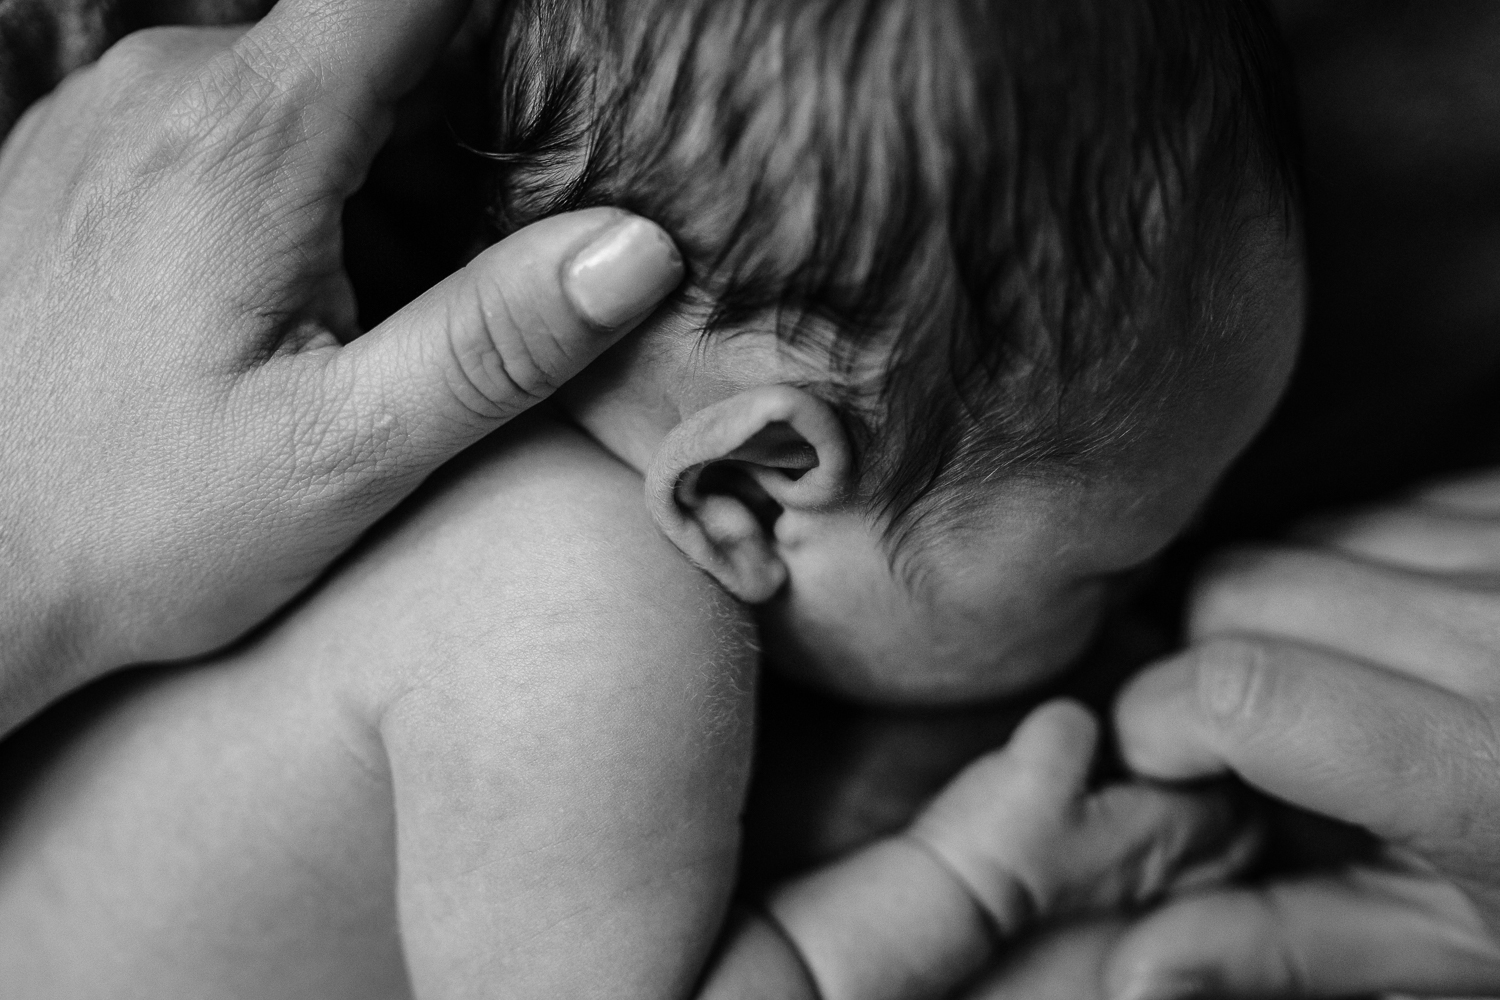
1013 639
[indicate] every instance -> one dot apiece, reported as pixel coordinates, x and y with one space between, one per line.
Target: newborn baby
982 299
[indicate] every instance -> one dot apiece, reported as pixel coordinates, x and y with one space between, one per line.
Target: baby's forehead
1080 522
1061 527
1181 416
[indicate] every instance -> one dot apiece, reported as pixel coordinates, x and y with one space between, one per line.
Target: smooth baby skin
518 710
1018 839
526 773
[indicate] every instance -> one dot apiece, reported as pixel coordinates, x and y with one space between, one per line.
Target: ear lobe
793 448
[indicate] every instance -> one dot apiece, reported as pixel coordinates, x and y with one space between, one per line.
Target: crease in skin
997 927
708 856
759 911
576 913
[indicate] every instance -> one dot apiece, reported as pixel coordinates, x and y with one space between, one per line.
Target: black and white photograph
749 499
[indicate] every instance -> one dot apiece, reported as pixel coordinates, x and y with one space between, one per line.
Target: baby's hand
1015 839
1023 833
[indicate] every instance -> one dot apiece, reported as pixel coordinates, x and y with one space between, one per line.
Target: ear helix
797 447
789 441
731 430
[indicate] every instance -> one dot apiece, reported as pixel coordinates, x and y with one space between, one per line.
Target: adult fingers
1020 819
352 52
1059 963
495 338
1477 494
1137 841
1020 799
1404 759
338 65
1126 843
1346 934
1434 628
1421 537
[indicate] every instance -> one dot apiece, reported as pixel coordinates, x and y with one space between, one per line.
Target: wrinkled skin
191 442
1397 385
1358 677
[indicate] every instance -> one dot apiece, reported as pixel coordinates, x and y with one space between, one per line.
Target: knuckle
169 139
492 338
137 54
251 74
221 109
160 106
108 93
231 102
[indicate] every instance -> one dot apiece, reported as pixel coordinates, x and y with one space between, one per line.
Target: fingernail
623 274
1159 987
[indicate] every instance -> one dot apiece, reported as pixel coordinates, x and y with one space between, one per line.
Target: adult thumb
502 334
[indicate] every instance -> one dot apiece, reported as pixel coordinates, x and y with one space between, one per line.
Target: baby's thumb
503 333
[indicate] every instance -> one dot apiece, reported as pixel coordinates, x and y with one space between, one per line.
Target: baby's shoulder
572 521
536 547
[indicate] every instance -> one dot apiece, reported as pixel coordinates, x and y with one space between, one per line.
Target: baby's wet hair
1010 228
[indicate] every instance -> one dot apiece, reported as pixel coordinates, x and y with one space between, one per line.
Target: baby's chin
874 667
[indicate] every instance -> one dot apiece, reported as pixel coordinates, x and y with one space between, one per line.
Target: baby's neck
632 397
627 416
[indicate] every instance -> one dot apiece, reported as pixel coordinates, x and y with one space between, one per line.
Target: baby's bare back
517 711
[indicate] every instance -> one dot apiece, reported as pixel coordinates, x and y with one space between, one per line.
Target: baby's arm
1014 840
517 713
568 757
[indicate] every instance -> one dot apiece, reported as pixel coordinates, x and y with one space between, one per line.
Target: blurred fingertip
1067 712
1134 974
1151 986
1062 723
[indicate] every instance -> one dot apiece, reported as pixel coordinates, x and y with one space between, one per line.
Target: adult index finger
352 57
1351 933
1421 537
1354 742
1435 628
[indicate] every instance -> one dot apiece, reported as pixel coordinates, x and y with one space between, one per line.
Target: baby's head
982 297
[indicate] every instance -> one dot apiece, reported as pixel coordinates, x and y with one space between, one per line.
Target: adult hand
1358 679
187 442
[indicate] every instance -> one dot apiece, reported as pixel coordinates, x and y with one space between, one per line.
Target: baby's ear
721 479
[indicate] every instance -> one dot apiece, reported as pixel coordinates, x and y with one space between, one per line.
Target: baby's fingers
1000 816
1133 843
1028 840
